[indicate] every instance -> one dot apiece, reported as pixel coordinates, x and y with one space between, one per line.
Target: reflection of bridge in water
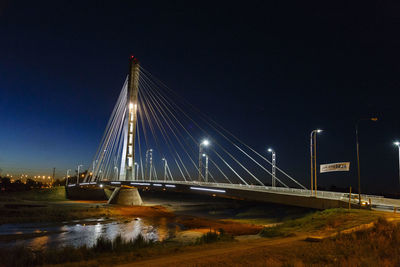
156 139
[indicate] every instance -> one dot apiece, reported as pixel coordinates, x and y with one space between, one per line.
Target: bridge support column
125 196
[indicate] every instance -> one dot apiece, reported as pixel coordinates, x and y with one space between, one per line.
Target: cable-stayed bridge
156 139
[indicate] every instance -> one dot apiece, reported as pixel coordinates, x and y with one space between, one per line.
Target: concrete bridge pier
125 196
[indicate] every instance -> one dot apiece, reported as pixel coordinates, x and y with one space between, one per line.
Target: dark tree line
7 185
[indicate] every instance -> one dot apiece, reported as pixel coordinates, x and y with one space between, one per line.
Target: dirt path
251 253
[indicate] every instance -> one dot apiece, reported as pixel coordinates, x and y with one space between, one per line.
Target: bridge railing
283 190
279 190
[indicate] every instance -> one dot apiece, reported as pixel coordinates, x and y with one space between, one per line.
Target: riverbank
345 238
192 213
262 234
51 205
44 213
375 244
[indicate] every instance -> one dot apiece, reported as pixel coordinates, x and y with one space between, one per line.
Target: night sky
269 71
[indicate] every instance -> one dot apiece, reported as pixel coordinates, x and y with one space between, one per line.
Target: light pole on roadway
313 157
204 143
77 177
273 183
358 157
397 143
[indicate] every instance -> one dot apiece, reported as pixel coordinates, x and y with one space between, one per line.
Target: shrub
18 256
118 244
214 236
103 245
272 232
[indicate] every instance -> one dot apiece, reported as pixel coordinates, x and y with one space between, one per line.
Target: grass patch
331 219
272 212
45 194
377 246
273 232
49 213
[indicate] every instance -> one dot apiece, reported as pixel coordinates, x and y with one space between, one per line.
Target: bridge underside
268 197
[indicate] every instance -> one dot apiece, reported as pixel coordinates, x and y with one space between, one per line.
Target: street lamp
273 183
313 151
116 171
165 169
358 157
66 181
77 177
136 171
149 158
206 174
204 143
397 143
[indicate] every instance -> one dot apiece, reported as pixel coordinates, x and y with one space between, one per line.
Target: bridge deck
280 195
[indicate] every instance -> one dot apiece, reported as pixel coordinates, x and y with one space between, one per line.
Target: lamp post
66 180
116 172
136 171
201 145
358 157
165 169
149 160
206 172
273 183
77 177
313 152
397 143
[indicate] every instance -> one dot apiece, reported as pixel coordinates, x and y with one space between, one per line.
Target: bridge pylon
128 153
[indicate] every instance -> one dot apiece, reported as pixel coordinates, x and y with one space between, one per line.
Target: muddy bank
30 211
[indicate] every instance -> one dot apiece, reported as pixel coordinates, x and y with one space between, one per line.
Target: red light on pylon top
133 59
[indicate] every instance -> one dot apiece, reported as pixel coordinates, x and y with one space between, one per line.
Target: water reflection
79 233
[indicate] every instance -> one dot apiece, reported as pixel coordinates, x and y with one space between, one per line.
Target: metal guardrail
259 188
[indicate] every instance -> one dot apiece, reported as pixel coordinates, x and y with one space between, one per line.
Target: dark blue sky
270 72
